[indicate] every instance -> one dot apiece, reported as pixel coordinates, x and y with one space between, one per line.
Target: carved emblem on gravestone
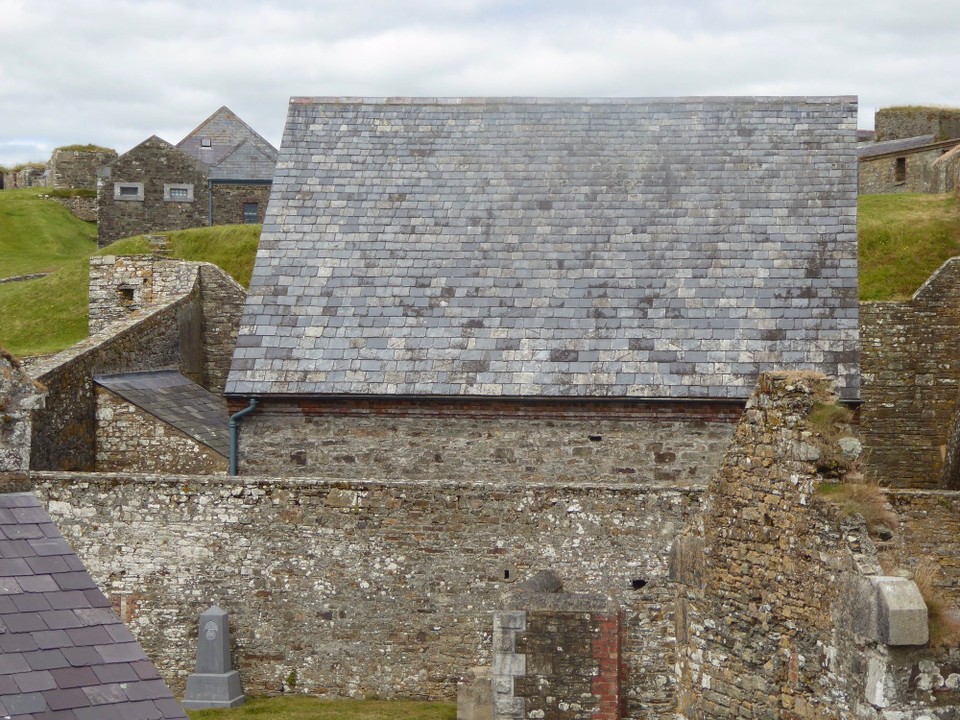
210 630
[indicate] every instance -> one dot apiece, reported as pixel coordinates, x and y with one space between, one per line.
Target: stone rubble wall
228 200
123 284
83 208
76 168
132 440
368 587
878 175
618 445
222 304
910 364
898 124
19 397
153 163
64 433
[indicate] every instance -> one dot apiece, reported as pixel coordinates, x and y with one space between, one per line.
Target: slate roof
226 132
178 401
894 146
63 652
662 248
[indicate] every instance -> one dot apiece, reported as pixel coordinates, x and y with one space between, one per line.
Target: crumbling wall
19 397
879 174
898 123
222 299
69 168
910 363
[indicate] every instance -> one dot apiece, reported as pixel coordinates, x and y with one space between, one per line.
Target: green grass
37 235
306 708
85 148
903 239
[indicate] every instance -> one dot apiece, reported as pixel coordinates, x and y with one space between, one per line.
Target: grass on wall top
903 238
308 708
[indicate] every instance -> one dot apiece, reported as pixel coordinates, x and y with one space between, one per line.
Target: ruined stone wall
910 364
76 168
222 305
929 529
568 442
83 208
64 432
131 440
27 176
897 124
368 587
19 397
228 200
153 164
879 174
760 632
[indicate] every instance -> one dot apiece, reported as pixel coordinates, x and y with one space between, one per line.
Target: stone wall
153 163
132 440
19 397
64 432
910 364
27 176
120 285
228 200
900 123
784 610
222 300
879 175
929 530
83 208
369 587
621 443
76 168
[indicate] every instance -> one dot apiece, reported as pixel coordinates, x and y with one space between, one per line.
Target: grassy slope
306 708
38 235
50 314
903 239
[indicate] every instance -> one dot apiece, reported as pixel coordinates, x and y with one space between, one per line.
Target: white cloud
114 72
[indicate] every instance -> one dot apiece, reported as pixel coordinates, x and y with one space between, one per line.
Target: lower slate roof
886 147
178 401
63 652
661 248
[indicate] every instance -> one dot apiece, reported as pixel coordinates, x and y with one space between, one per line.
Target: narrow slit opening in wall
595 438
638 583
508 574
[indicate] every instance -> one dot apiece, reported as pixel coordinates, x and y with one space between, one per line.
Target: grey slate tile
550 221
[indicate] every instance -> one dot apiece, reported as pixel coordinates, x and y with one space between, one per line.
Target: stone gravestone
215 684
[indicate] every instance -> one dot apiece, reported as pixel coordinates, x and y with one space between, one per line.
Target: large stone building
218 174
527 286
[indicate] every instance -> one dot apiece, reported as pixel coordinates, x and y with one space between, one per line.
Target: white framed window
178 192
128 191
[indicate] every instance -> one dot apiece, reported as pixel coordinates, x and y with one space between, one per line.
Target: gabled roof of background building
894 146
667 248
63 652
221 134
245 162
176 400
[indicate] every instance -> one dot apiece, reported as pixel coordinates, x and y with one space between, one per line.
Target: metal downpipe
234 432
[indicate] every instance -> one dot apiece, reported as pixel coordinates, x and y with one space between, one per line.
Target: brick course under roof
660 248
63 652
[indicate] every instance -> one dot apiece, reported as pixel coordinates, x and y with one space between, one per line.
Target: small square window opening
251 213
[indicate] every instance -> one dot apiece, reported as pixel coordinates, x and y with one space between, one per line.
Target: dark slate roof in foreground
667 248
894 146
63 652
178 401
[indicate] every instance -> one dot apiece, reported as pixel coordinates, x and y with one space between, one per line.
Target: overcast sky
114 72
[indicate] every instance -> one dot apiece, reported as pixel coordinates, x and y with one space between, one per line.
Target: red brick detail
606 651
